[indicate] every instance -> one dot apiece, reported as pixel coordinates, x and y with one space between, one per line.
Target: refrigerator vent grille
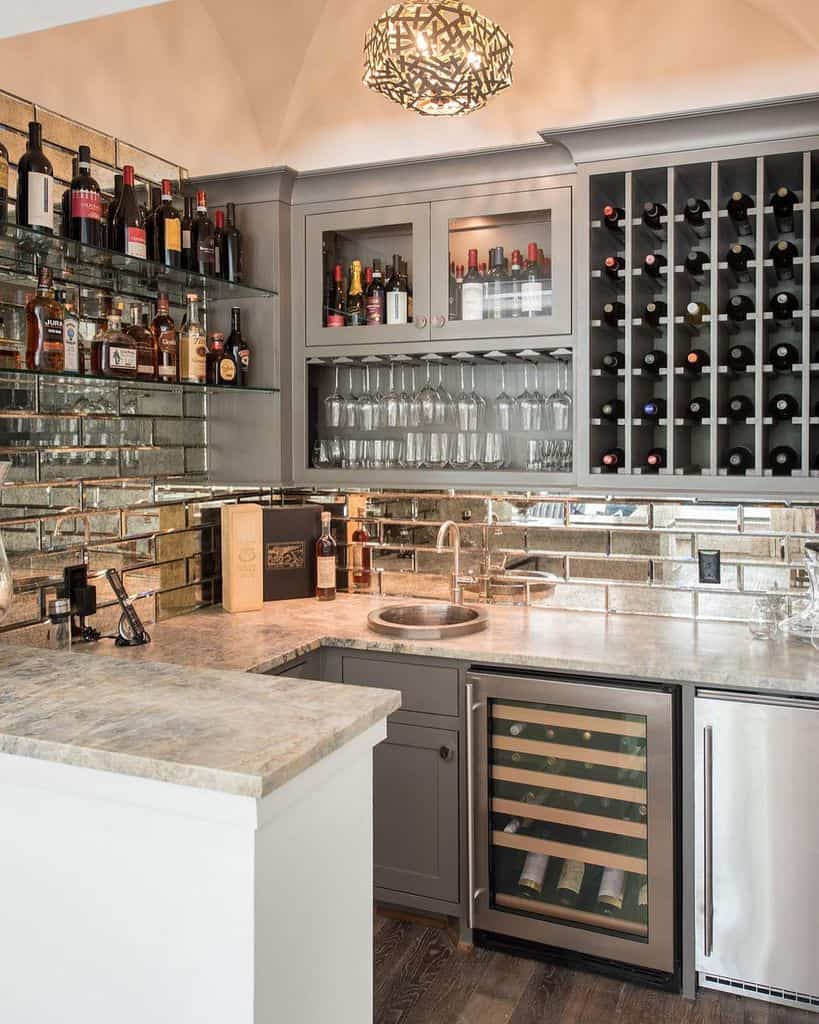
766 992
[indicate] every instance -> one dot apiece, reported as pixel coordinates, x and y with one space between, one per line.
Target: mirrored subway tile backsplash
583 553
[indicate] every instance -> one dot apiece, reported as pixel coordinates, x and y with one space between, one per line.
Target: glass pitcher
805 623
6 586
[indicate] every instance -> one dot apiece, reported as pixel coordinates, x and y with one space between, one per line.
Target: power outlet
709 567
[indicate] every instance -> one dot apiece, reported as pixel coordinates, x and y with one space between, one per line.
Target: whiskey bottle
192 347
145 344
45 348
72 345
114 353
166 341
325 562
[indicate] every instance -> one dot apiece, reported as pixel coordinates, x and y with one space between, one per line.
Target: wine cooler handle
438 321
420 322
470 800
708 835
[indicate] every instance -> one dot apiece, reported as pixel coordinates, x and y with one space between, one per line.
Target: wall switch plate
709 567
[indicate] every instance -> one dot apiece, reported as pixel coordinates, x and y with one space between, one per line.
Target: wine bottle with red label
85 199
129 220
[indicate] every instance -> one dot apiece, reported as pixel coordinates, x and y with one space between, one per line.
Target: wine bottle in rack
612 362
654 409
739 358
641 903
657 459
737 259
782 203
739 459
612 459
653 264
782 255
516 824
612 312
612 410
653 214
654 312
611 892
698 409
783 358
570 882
695 262
612 265
738 206
695 361
739 308
612 216
533 875
783 460
783 407
654 361
784 305
739 408
695 312
693 215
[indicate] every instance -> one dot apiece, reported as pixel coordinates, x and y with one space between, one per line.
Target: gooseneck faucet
456 593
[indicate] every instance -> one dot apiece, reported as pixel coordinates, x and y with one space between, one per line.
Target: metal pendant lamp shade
437 58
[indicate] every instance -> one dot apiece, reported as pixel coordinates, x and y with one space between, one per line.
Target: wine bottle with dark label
653 264
657 459
612 216
234 248
655 312
695 361
203 251
783 407
737 259
694 216
739 407
612 410
784 305
652 216
783 358
35 185
612 459
167 233
654 409
129 219
695 262
738 206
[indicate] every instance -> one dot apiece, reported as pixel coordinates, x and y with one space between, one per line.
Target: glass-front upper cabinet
368 276
501 265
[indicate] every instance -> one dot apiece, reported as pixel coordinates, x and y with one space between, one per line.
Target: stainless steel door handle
470 801
708 837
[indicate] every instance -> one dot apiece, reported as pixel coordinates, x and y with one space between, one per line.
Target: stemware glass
334 406
504 405
462 450
413 403
444 409
366 406
391 404
558 407
378 398
529 407
350 415
404 401
466 407
428 400
480 401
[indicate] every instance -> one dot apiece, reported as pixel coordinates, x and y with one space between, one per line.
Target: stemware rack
700 448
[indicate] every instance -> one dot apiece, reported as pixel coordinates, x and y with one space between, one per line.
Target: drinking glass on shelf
763 624
393 453
350 414
334 406
493 450
354 453
466 406
336 451
438 450
463 449
366 406
504 405
534 455
529 407
428 400
415 449
320 455
377 453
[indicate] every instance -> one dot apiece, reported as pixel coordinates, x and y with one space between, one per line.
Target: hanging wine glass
480 401
560 403
391 404
350 416
504 405
366 407
334 405
428 400
466 408
404 402
444 410
413 403
529 408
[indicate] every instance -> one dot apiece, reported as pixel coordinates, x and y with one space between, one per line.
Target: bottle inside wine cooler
653 214
612 459
695 262
653 264
612 265
613 312
782 255
784 357
739 358
698 409
739 408
611 362
783 460
739 308
739 460
655 312
783 407
612 216
654 361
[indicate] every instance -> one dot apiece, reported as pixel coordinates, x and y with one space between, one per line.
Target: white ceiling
232 84
19 18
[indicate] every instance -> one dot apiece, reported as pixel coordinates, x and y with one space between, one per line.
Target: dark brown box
289 536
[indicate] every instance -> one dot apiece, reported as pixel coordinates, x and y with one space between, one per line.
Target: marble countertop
212 729
620 646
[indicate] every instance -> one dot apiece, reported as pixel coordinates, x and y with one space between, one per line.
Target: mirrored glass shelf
23 252
28 378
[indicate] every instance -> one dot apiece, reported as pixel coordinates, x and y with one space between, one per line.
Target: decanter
805 623
6 585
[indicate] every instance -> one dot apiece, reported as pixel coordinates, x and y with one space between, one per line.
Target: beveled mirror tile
79 398
512 538
726 607
766 578
24 608
617 569
687 574
121 554
640 542
190 433
136 401
23 466
21 538
140 521
15 112
78 464
117 432
17 394
146 165
651 601
15 143
71 135
41 497
177 602
196 461
411 584
153 461
118 495
741 544
574 597
178 545
614 513
39 432
560 540
194 404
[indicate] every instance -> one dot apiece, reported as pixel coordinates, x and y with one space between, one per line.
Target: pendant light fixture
437 58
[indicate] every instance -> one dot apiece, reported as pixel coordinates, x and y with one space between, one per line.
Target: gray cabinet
416 813
426 686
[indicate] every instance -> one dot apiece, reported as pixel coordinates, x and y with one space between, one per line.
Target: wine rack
746 403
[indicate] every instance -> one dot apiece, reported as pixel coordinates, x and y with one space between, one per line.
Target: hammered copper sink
427 621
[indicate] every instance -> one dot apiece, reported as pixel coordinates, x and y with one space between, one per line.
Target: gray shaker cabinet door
416 812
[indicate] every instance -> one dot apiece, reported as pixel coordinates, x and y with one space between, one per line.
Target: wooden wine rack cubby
698 449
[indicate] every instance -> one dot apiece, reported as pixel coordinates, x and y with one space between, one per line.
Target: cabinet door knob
420 322
438 321
447 753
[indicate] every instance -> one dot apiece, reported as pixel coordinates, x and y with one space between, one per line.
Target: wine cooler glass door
574 824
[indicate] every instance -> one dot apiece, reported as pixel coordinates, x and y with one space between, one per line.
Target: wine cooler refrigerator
572 837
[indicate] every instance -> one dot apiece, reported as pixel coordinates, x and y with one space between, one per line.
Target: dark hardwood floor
422 977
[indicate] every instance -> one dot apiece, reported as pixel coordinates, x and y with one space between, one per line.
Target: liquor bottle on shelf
219 244
237 349
111 212
695 261
784 305
396 294
65 203
516 277
216 350
653 264
698 409
783 460
783 407
693 215
45 348
325 562
499 286
202 258
654 312
407 284
654 361
739 358
356 304
452 313
612 459
233 266
35 185
612 216
653 214
192 346
149 212
612 410
167 229
695 313
737 259
166 342
85 203
113 353
376 297
186 225
337 310
782 255
129 221
782 203
611 362
145 344
657 459
72 344
739 308
783 358
695 361
612 265
738 206
739 408
534 284
472 304
612 312
654 409
361 556
739 459
4 185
